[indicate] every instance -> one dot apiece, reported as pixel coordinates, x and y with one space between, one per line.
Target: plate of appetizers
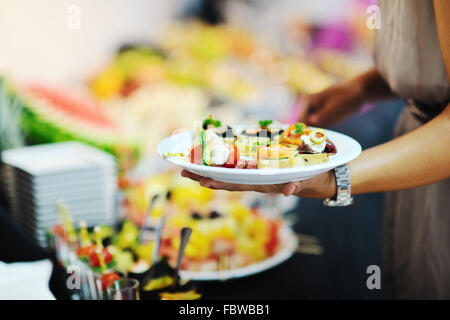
286 247
233 234
264 153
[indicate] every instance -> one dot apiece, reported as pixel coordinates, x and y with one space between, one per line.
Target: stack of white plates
80 176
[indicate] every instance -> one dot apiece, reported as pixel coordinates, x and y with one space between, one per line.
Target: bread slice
276 163
293 162
316 158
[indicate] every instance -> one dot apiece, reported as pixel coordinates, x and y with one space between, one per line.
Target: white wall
35 43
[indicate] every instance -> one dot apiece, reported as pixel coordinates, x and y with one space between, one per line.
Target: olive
214 215
196 216
228 133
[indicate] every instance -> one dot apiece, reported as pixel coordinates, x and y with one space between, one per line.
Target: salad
230 230
266 145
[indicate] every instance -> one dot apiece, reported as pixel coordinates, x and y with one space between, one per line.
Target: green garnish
202 141
264 123
265 143
210 120
299 128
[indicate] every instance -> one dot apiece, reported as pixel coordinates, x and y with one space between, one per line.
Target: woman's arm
442 15
415 159
341 100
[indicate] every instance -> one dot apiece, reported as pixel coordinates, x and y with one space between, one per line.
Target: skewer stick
68 224
159 229
147 214
84 234
99 250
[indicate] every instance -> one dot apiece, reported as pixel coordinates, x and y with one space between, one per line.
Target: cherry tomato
233 157
108 279
123 182
195 155
129 87
93 258
85 251
272 242
60 231
330 147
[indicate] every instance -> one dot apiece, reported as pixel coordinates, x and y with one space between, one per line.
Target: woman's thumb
291 188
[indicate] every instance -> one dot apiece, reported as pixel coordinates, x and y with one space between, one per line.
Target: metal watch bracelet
343 187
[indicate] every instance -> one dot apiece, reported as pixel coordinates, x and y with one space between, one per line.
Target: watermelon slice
52 115
71 107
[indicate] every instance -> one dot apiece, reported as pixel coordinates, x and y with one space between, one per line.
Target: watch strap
343 187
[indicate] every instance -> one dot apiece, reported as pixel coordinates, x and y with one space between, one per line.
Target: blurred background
120 76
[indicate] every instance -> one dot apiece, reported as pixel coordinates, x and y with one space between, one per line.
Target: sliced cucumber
318 136
202 141
249 145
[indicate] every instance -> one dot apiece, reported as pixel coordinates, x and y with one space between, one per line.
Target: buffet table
337 273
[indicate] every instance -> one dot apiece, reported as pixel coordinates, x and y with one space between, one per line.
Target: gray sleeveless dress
417 221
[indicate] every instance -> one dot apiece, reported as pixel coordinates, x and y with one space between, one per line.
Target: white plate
70 198
57 158
288 245
347 150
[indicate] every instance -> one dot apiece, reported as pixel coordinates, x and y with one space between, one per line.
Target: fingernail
290 189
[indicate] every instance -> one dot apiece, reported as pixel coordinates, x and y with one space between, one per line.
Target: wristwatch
344 188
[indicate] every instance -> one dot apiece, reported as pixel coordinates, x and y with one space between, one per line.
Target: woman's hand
333 104
322 186
339 101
